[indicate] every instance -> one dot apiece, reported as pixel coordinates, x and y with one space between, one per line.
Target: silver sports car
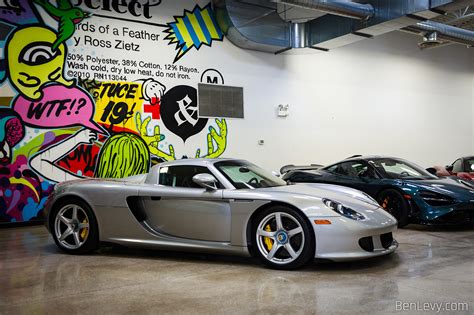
223 206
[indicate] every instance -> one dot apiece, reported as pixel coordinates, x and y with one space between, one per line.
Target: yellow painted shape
27 77
102 102
184 32
14 180
210 25
197 28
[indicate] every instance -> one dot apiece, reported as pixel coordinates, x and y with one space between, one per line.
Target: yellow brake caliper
84 231
268 241
385 203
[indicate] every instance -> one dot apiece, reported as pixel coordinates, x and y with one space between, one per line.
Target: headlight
343 210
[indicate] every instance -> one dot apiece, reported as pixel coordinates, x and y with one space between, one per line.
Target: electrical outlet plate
283 110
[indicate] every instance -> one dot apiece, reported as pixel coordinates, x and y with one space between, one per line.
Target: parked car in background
220 206
405 190
462 168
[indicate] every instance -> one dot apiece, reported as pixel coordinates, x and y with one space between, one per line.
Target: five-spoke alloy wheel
283 238
74 227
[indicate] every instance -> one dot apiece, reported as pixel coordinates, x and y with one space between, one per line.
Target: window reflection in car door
181 208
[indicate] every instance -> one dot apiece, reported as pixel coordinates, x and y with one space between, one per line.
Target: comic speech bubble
60 106
194 29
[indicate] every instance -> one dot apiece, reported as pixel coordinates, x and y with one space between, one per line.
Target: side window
182 176
302 177
352 169
457 166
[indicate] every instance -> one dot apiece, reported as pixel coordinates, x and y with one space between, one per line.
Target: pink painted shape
60 106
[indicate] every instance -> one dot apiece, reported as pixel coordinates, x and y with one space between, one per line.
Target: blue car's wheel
393 202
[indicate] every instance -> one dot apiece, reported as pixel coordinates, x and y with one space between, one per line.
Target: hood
311 194
456 188
350 197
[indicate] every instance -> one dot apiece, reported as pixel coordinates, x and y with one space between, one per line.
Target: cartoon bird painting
67 15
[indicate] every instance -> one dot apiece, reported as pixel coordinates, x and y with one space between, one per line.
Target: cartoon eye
38 53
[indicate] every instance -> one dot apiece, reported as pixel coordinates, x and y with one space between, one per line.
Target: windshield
400 169
244 175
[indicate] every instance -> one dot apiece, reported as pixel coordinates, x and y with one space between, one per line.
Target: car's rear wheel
283 239
393 202
74 227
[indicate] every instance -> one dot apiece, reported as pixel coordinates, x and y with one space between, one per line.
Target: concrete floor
431 265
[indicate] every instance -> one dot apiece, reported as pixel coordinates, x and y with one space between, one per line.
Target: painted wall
110 94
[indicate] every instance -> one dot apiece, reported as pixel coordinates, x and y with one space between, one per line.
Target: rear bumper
345 239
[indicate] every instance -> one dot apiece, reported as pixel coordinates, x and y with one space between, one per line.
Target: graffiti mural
74 113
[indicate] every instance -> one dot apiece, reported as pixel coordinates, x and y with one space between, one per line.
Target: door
355 174
178 207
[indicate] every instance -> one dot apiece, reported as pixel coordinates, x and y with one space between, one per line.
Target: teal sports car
405 190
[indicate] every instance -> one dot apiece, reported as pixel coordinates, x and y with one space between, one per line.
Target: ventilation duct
346 8
256 24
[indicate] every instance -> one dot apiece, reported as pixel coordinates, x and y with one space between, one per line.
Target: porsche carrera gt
225 206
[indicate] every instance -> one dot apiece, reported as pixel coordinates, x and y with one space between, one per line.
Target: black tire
392 201
303 241
89 236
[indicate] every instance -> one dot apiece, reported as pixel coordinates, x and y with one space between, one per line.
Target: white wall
378 96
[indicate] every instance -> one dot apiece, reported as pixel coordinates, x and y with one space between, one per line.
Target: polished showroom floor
431 265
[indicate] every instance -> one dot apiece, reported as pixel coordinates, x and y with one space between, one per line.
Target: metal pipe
448 30
299 38
337 7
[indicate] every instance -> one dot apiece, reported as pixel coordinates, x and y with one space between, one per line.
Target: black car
407 191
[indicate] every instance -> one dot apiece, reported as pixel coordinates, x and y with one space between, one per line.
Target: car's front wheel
74 227
393 202
283 239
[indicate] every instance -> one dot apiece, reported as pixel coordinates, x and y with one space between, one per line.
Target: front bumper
462 213
345 239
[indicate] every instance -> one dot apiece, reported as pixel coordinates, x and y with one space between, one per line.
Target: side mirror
449 168
431 170
205 181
